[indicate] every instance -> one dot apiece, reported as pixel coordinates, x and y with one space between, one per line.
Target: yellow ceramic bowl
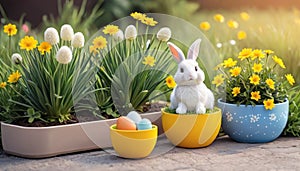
191 130
133 143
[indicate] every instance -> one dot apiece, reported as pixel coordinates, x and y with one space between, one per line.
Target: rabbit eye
196 68
181 70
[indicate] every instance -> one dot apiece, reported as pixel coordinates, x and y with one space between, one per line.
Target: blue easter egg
134 116
144 124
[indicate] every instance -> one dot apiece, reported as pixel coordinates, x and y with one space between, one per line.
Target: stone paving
223 154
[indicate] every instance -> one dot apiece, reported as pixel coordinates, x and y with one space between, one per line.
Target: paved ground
223 154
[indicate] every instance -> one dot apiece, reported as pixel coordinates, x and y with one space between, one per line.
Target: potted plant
186 122
56 81
255 106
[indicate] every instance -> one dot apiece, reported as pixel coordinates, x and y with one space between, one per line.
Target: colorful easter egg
125 123
144 124
133 115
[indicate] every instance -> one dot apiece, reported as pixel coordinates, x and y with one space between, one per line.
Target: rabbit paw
200 109
181 109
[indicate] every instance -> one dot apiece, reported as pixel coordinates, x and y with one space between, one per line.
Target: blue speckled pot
253 124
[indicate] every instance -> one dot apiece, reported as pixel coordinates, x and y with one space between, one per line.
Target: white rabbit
190 94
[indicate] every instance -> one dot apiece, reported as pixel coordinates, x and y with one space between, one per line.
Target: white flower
130 32
78 40
232 42
219 45
64 55
16 58
51 36
164 34
66 32
119 35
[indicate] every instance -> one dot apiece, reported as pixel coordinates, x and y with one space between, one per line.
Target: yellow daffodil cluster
251 78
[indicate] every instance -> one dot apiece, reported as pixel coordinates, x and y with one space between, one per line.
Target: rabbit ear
194 50
176 52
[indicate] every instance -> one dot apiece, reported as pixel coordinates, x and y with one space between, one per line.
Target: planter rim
66 125
218 110
113 128
220 101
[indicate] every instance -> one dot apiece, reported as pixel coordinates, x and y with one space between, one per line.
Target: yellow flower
257 53
290 78
93 50
149 21
218 66
257 67
255 95
218 80
138 16
270 83
10 29
219 18
254 79
170 82
204 25
2 85
269 104
229 63
28 43
245 53
44 47
110 29
236 91
232 24
245 16
149 60
241 35
14 77
235 71
278 61
268 52
99 42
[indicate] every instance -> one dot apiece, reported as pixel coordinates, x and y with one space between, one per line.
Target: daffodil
100 42
219 18
232 24
270 83
241 35
257 67
149 21
278 61
229 63
254 79
138 16
170 82
245 53
14 77
255 95
218 80
3 84
257 54
204 25
290 79
236 91
235 71
110 29
269 104
28 43
44 47
149 60
10 29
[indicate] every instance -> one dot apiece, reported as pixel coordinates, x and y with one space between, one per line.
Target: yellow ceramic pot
191 130
133 143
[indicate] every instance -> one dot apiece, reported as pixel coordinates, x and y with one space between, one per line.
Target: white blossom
164 34
78 40
130 32
64 55
119 36
16 58
66 32
51 36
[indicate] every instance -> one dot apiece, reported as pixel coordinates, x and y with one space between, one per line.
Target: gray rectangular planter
40 142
